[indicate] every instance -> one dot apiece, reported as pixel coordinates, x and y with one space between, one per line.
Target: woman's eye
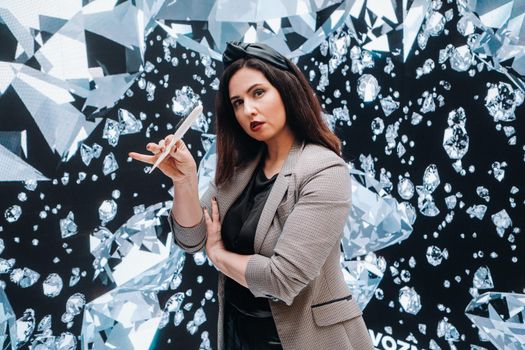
259 92
236 103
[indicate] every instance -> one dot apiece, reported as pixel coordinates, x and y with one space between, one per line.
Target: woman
272 219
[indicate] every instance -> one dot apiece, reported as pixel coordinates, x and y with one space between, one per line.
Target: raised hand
179 165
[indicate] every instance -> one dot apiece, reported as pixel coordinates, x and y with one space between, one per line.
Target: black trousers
243 332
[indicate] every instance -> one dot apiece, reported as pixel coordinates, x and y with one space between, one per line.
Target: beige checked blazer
297 250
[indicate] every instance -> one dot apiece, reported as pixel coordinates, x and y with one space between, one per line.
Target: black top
238 233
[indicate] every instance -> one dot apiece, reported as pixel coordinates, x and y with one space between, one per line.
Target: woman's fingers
215 211
173 152
156 148
212 222
168 139
153 148
142 157
180 144
166 142
209 222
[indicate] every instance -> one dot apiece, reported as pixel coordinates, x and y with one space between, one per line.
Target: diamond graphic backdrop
427 97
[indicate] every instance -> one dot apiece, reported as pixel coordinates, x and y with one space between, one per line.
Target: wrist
187 181
215 256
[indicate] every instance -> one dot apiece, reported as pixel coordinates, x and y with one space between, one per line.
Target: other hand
214 242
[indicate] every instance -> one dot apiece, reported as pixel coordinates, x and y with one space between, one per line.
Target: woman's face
257 104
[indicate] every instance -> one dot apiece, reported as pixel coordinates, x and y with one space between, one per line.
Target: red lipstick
256 126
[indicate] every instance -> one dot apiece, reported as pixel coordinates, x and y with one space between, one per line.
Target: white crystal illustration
500 317
8 331
140 259
96 77
362 278
376 220
217 22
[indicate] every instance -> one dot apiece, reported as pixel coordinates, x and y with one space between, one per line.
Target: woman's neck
277 150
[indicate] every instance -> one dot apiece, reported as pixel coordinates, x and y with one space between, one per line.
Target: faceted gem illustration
135 255
52 285
24 277
293 27
7 323
363 278
66 341
409 300
368 88
389 105
390 26
44 324
405 188
184 101
500 317
425 200
68 227
207 168
447 330
111 132
75 303
15 169
128 123
198 318
110 164
25 326
88 153
502 221
483 278
461 58
498 29
501 101
140 259
13 213
455 138
435 255
376 219
121 319
107 210
6 265
41 73
477 211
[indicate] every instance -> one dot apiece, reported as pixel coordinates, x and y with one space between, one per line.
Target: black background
463 237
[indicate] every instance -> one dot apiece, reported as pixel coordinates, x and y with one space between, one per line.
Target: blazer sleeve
193 239
309 234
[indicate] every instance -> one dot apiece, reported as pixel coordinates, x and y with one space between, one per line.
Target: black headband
236 50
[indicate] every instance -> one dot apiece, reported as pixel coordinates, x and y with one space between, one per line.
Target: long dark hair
303 116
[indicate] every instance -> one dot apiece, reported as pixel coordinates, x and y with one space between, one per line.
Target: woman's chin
258 136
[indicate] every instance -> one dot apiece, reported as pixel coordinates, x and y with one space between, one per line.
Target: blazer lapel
228 193
276 195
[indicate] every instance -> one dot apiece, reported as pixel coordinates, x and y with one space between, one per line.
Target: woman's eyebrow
249 89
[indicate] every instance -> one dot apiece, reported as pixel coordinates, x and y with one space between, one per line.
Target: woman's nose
249 108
